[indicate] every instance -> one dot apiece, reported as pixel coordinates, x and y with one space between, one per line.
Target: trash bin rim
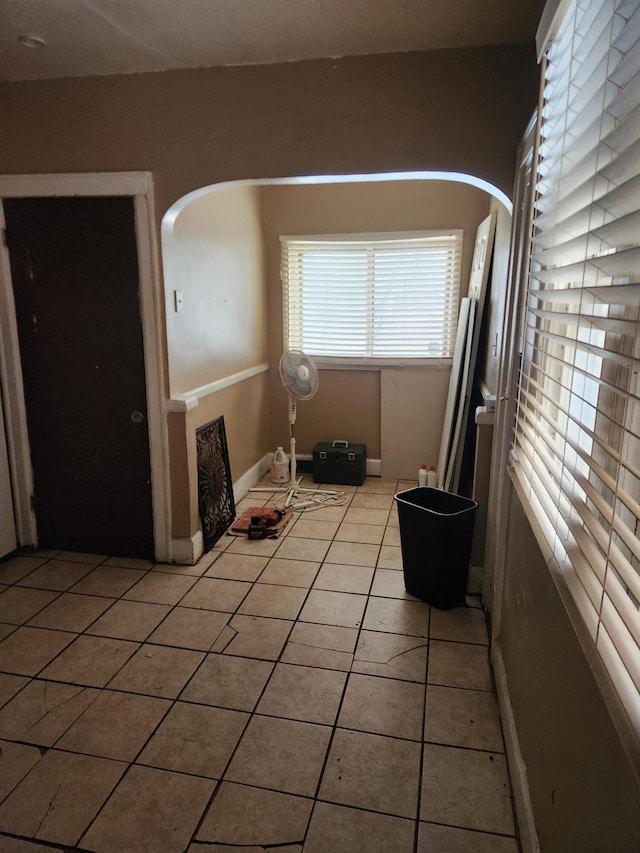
470 503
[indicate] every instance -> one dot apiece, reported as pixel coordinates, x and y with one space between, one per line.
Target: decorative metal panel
215 488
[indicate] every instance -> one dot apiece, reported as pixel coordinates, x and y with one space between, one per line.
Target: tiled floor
282 695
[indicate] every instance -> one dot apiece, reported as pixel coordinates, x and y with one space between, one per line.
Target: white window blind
577 433
372 296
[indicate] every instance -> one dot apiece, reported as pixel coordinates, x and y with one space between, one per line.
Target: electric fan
299 376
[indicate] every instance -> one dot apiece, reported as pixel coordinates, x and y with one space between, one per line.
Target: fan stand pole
292 488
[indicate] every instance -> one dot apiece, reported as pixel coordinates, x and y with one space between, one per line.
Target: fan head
299 375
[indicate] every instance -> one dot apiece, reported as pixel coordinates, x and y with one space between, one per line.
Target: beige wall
455 110
584 794
347 405
213 254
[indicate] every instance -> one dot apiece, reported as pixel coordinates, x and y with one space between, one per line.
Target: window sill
335 363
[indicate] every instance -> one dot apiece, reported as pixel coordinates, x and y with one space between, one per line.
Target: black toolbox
339 462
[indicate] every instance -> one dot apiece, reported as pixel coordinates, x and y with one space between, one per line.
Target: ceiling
86 37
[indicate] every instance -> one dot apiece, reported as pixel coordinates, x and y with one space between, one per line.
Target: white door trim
138 185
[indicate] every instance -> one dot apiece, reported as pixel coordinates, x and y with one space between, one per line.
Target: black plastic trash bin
436 528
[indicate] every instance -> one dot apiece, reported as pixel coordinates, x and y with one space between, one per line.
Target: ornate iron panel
215 488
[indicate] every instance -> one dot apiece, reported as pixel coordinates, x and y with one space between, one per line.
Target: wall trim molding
517 767
189 400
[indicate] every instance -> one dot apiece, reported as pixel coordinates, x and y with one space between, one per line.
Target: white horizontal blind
577 434
372 297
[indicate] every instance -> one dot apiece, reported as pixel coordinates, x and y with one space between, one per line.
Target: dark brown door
75 279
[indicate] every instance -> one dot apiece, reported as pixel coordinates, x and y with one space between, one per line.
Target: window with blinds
368 298
577 434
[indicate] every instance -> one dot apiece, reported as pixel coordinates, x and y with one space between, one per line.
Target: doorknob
137 417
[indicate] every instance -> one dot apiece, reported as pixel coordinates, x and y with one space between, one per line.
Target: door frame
139 186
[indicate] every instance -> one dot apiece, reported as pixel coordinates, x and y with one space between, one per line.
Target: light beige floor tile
337 488
353 554
253 547
370 500
464 624
450 839
282 755
59 798
12 569
70 612
10 685
27 650
129 563
253 637
391 536
466 788
111 581
57 575
150 810
391 656
194 571
390 557
161 588
216 594
458 717
43 711
307 528
364 534
379 486
459 665
388 583
336 578
190 629
303 693
328 513
372 772
90 660
323 646
290 572
293 548
229 682
281 602
237 567
195 739
16 760
79 557
222 543
17 845
393 520
252 817
384 706
100 730
397 616
334 608
157 671
19 604
338 828
129 620
363 515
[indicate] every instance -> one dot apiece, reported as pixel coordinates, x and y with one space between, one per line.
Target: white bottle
422 475
280 466
432 477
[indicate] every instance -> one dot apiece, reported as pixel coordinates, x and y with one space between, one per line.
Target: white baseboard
251 477
187 551
517 767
